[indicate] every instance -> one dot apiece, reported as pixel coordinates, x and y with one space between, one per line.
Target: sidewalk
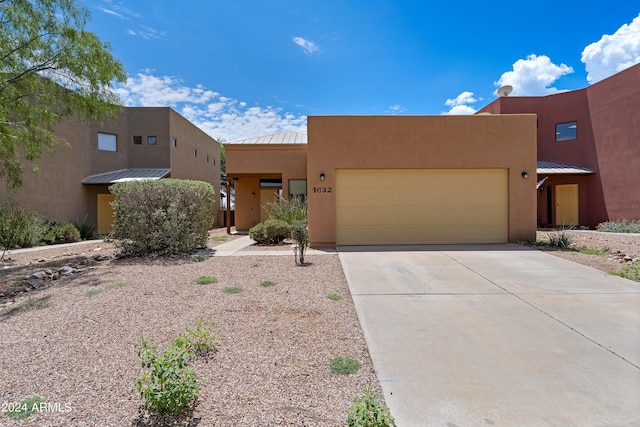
235 248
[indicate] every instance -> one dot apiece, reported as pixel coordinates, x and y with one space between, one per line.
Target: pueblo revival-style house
568 159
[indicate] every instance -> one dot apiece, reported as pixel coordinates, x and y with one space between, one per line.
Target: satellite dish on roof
505 90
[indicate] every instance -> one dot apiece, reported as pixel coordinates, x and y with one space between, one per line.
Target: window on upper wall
152 140
107 142
566 131
298 188
195 153
137 140
174 142
207 158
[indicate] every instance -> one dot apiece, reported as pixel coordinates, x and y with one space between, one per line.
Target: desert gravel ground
79 352
275 343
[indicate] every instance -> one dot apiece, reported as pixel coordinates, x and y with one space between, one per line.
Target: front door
567 204
105 213
267 197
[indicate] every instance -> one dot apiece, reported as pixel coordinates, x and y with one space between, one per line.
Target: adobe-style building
396 179
140 143
588 150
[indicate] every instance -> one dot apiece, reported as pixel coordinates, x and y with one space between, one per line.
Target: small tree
166 217
52 68
300 234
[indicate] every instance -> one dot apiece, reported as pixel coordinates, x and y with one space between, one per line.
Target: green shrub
368 411
560 239
629 271
206 280
164 217
87 231
199 339
288 211
170 385
334 297
270 232
58 233
267 283
300 234
620 226
25 407
19 227
233 289
343 365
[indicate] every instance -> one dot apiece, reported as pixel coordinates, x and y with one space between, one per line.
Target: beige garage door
412 206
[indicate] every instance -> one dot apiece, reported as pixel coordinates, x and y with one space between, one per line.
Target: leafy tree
50 68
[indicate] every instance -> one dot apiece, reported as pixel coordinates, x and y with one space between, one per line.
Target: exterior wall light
253 194
322 176
525 175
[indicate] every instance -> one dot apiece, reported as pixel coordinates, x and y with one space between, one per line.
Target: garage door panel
394 206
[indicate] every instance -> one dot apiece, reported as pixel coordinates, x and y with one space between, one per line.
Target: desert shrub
19 227
288 211
57 233
300 234
199 339
170 385
620 226
344 365
560 239
270 232
164 217
629 271
87 231
368 411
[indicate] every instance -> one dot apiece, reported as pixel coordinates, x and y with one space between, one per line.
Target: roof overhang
123 175
554 168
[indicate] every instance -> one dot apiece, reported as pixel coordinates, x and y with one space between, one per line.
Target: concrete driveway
497 335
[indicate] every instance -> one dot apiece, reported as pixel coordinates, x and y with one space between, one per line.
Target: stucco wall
439 142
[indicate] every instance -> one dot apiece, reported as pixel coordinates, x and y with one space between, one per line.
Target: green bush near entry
620 226
19 227
270 232
164 217
64 232
288 211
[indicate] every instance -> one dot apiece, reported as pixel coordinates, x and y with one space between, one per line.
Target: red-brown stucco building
588 150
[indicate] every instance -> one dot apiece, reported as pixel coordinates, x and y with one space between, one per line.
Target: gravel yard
73 341
275 343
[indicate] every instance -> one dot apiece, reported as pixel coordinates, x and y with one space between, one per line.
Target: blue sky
244 68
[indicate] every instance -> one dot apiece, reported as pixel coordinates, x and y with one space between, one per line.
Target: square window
107 142
151 140
298 188
566 131
137 140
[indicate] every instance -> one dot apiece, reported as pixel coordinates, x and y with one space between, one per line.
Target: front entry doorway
567 205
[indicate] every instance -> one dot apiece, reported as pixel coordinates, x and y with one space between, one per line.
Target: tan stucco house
396 179
140 143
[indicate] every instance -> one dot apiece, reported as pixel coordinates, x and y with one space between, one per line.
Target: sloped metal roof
555 168
126 175
278 138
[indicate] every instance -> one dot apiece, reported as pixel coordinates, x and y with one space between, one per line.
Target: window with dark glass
566 131
137 140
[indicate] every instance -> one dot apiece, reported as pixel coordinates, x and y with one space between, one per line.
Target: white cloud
613 53
459 104
396 109
118 9
217 115
534 76
306 45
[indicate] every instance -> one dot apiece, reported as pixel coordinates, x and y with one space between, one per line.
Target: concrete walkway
236 248
497 335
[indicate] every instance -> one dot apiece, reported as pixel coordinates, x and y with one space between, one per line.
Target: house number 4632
322 189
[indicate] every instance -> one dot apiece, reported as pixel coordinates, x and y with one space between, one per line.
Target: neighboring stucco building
397 179
588 150
140 143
